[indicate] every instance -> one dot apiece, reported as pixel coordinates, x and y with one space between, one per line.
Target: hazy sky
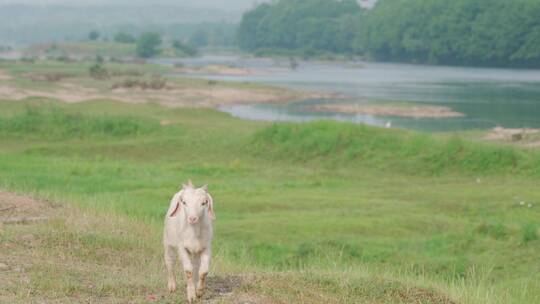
219 4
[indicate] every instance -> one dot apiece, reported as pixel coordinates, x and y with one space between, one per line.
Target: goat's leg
170 262
188 271
196 262
203 271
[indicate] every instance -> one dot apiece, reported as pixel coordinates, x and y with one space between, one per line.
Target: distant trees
471 32
93 35
122 37
308 25
479 32
148 45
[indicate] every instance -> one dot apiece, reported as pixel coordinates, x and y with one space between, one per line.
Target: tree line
458 32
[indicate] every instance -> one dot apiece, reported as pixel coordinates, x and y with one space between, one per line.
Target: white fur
190 242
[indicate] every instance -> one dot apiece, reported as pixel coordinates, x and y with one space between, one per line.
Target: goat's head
196 203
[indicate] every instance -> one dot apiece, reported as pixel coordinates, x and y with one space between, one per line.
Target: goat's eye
183 202
205 203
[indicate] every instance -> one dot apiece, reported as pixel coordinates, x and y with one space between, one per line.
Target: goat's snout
193 219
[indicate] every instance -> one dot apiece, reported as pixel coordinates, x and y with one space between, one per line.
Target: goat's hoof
200 293
171 286
191 299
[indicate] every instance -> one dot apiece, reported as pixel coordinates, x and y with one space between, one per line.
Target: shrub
97 71
156 83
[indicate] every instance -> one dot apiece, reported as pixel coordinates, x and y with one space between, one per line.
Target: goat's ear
175 210
177 204
211 207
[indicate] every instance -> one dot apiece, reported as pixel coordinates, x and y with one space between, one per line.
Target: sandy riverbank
175 92
215 70
388 110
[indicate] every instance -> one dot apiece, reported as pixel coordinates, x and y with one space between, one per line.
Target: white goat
188 234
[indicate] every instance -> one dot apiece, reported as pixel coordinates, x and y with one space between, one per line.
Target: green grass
411 152
325 197
55 123
529 233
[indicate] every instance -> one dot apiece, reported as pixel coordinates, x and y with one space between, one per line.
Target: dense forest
458 32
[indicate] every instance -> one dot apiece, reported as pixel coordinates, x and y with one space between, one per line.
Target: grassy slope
369 206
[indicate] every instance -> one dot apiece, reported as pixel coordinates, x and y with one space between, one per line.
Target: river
487 96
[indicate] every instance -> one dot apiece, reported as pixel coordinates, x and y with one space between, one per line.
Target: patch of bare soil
221 286
422 295
215 70
5 75
387 110
512 135
8 92
63 95
211 96
534 144
16 208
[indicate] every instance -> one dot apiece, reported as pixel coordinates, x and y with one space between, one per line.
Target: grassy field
322 212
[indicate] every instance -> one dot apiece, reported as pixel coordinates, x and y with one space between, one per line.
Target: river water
487 96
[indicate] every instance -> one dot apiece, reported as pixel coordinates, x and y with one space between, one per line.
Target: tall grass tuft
57 123
528 233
